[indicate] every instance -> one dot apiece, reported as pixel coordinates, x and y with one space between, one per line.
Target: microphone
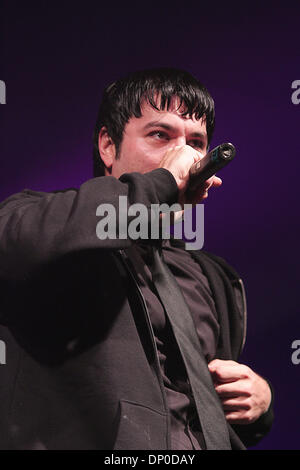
213 161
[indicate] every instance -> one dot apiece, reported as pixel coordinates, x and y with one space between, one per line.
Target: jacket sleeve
38 227
251 434
235 330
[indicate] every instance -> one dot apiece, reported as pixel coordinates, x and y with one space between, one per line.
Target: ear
107 148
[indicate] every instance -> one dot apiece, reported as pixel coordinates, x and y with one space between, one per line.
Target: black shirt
185 428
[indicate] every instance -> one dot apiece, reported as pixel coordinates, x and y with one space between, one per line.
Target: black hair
123 99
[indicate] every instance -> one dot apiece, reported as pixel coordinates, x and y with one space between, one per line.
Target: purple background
56 61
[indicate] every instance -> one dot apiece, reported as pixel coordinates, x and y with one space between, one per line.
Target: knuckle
217 371
233 363
246 388
247 370
247 405
248 417
216 362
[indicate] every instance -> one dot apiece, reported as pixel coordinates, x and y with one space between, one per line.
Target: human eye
159 135
199 144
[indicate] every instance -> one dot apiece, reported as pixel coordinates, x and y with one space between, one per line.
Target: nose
179 141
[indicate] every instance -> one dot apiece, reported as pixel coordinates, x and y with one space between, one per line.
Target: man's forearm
38 227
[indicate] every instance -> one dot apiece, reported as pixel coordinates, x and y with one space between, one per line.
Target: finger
199 195
238 417
212 181
207 184
228 371
201 191
197 156
233 389
209 181
201 155
218 363
217 181
236 404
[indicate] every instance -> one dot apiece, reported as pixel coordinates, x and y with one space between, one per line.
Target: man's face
146 139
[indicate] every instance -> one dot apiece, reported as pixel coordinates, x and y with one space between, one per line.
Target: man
95 362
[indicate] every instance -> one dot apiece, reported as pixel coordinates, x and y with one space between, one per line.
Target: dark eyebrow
168 127
199 134
159 124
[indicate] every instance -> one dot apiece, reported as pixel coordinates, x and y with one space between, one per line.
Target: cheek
141 157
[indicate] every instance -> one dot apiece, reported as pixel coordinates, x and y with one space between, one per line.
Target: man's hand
245 395
178 161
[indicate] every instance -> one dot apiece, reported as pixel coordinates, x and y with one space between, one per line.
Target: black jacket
82 370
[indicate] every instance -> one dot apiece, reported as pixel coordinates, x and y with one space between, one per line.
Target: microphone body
213 161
